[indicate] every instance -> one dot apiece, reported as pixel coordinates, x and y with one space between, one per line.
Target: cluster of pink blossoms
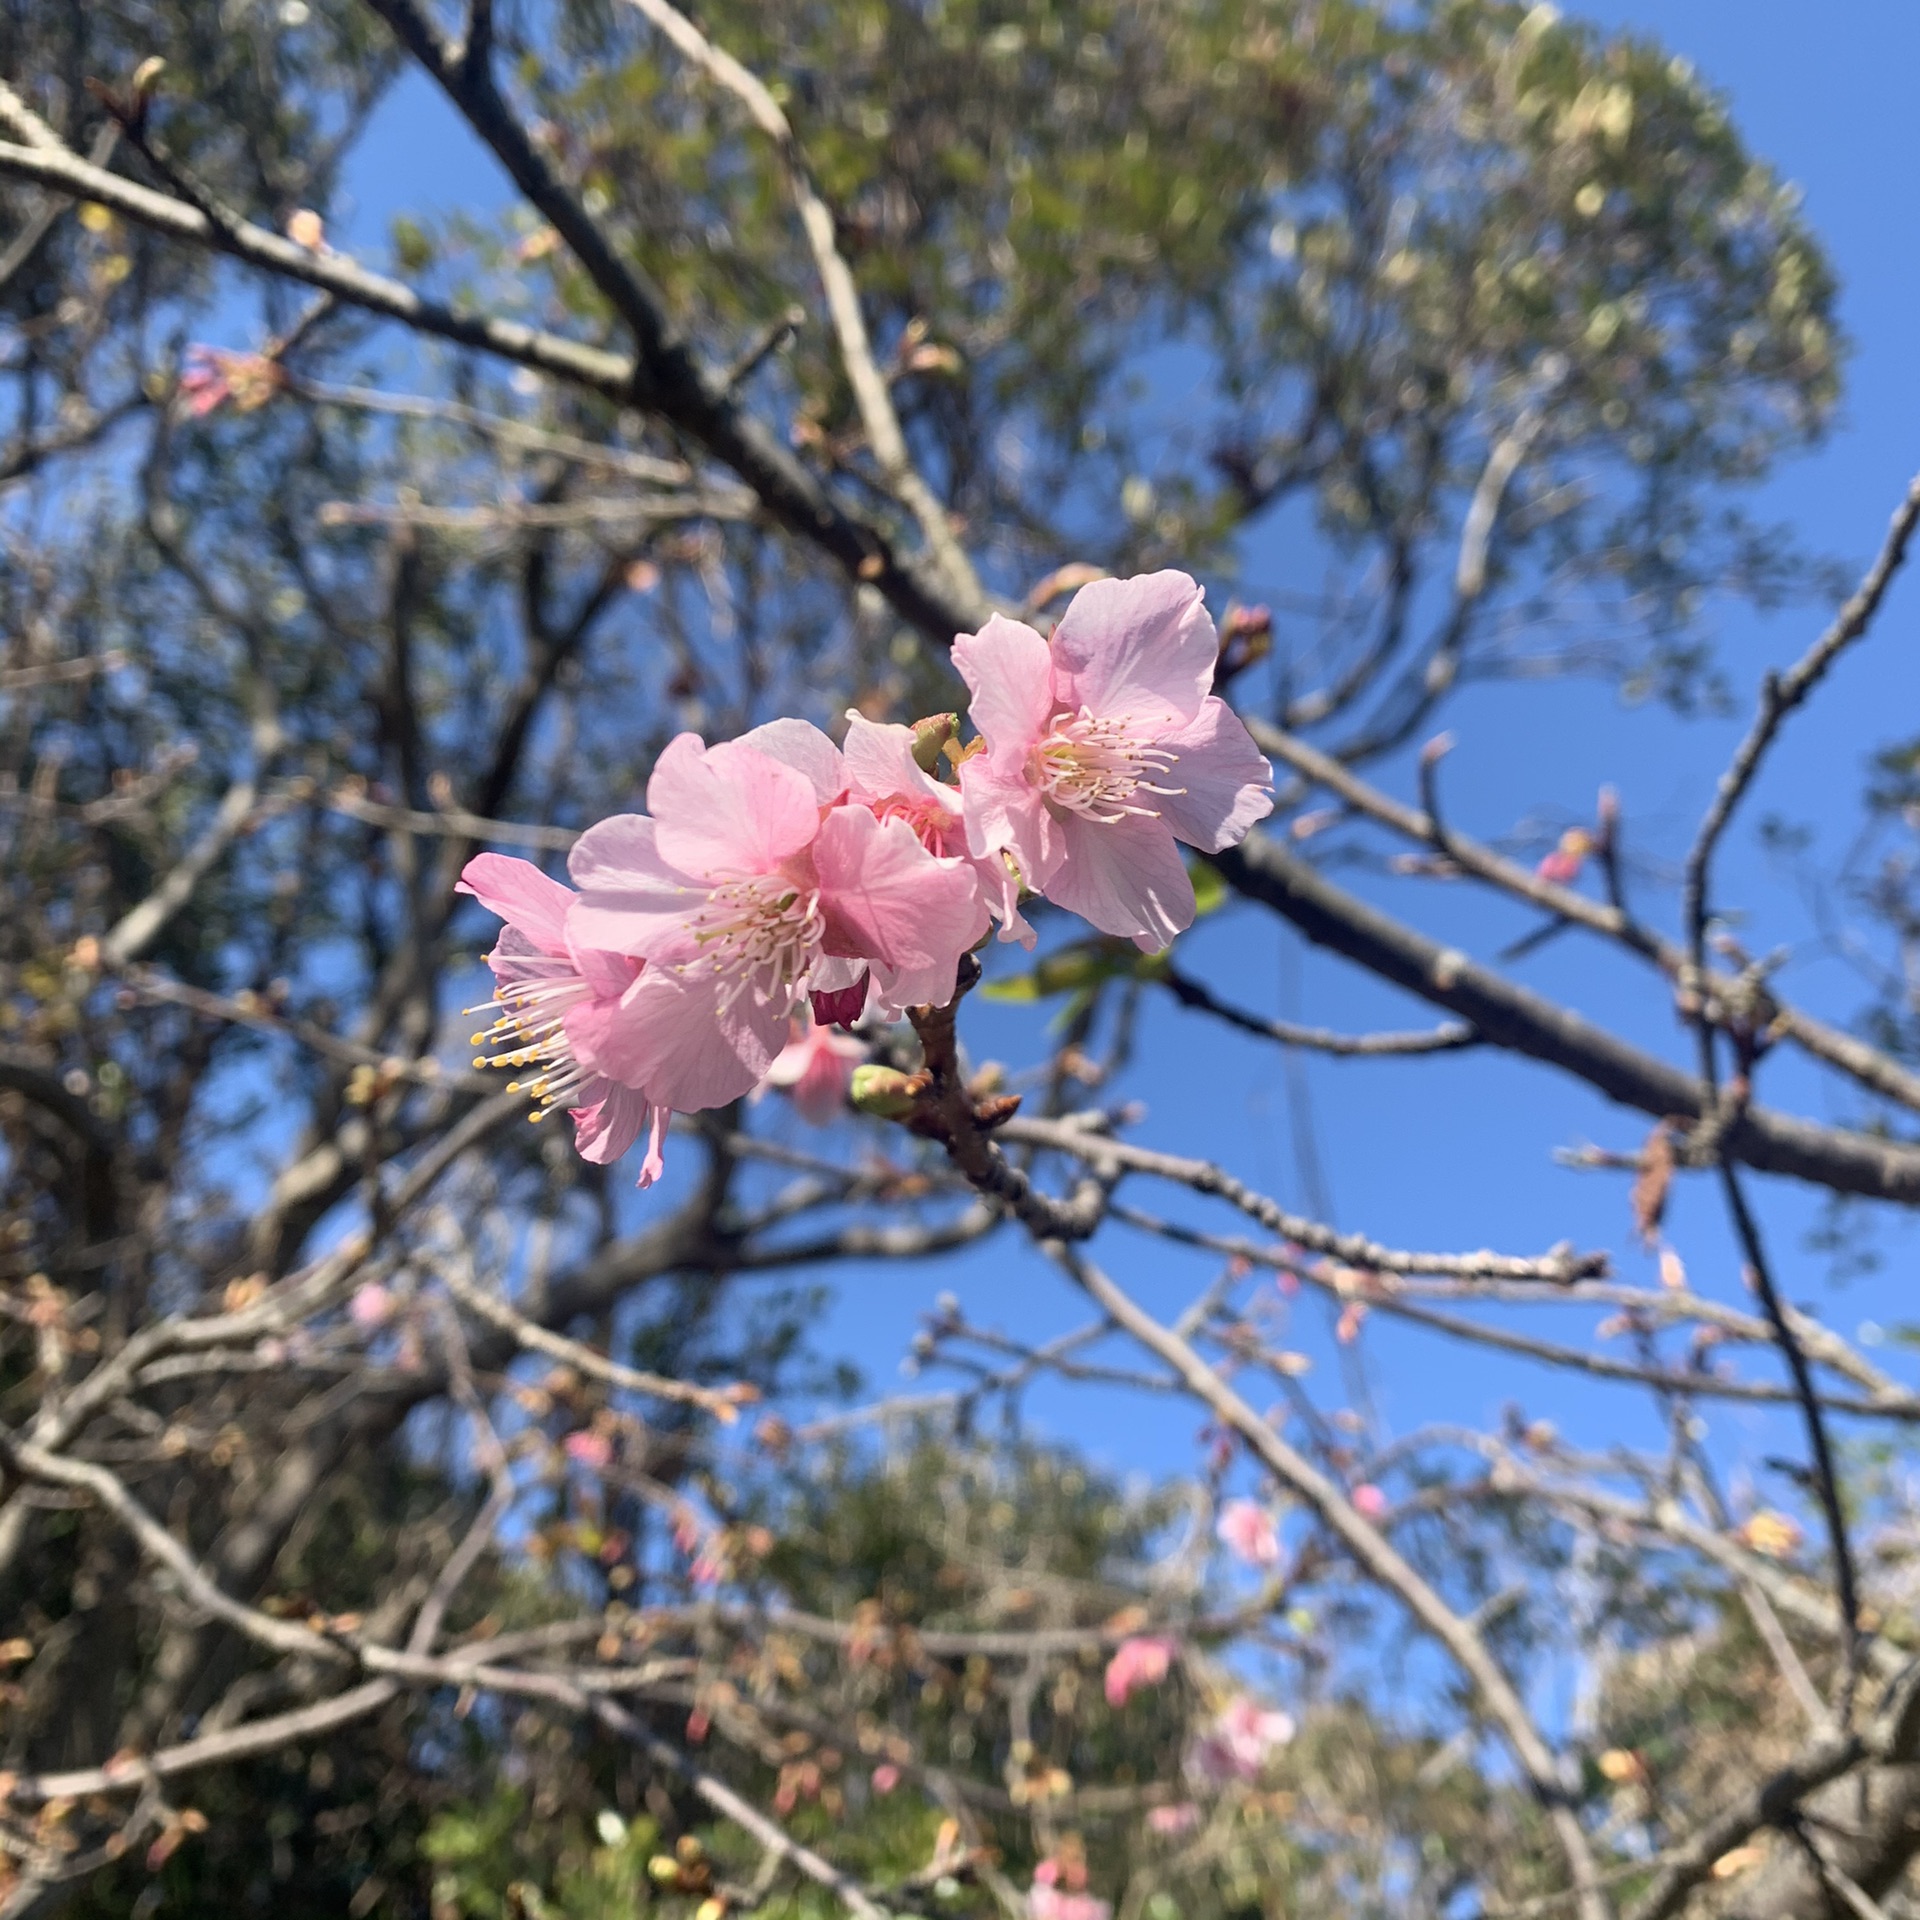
779 870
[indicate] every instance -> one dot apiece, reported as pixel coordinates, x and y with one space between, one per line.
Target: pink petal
1226 780
803 747
1140 649
631 901
672 1037
607 975
727 810
654 1164
880 762
1010 673
1126 877
515 957
603 1132
521 895
1005 813
890 901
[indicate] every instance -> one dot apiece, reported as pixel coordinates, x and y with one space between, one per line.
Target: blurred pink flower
886 1776
815 1068
1369 1500
1181 1817
1047 1900
211 376
1238 1743
1563 864
589 1449
1140 1662
1247 1530
370 1306
1103 749
556 1006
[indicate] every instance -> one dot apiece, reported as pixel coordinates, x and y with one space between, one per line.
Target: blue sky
1458 1152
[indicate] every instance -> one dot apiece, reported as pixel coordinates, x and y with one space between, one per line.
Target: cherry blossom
1246 1529
1370 1501
884 776
815 1069
1142 1661
1181 1817
1048 1899
371 1306
1237 1745
557 1005
1105 748
747 887
1563 864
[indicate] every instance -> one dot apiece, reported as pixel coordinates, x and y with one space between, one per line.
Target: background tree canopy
400 1516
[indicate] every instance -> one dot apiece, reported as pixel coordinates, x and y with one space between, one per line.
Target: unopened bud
884 1092
930 736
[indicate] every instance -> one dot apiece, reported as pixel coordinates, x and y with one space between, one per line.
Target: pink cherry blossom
748 888
886 1776
1563 864
1181 1817
1105 748
1369 1500
589 1449
370 1306
815 1068
1246 1529
1238 1743
1048 1900
883 776
1142 1661
556 1005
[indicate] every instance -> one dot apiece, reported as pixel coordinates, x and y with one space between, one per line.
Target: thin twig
1560 1267
870 393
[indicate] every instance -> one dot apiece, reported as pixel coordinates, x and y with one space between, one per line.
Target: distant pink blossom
211 376
1048 1900
886 1776
1106 747
589 1449
371 1306
1563 864
1246 1529
557 1006
1369 1500
814 1069
1181 1817
747 887
1140 1662
1238 1743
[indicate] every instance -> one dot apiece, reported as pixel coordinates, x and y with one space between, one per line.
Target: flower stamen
529 1030
1098 769
759 936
